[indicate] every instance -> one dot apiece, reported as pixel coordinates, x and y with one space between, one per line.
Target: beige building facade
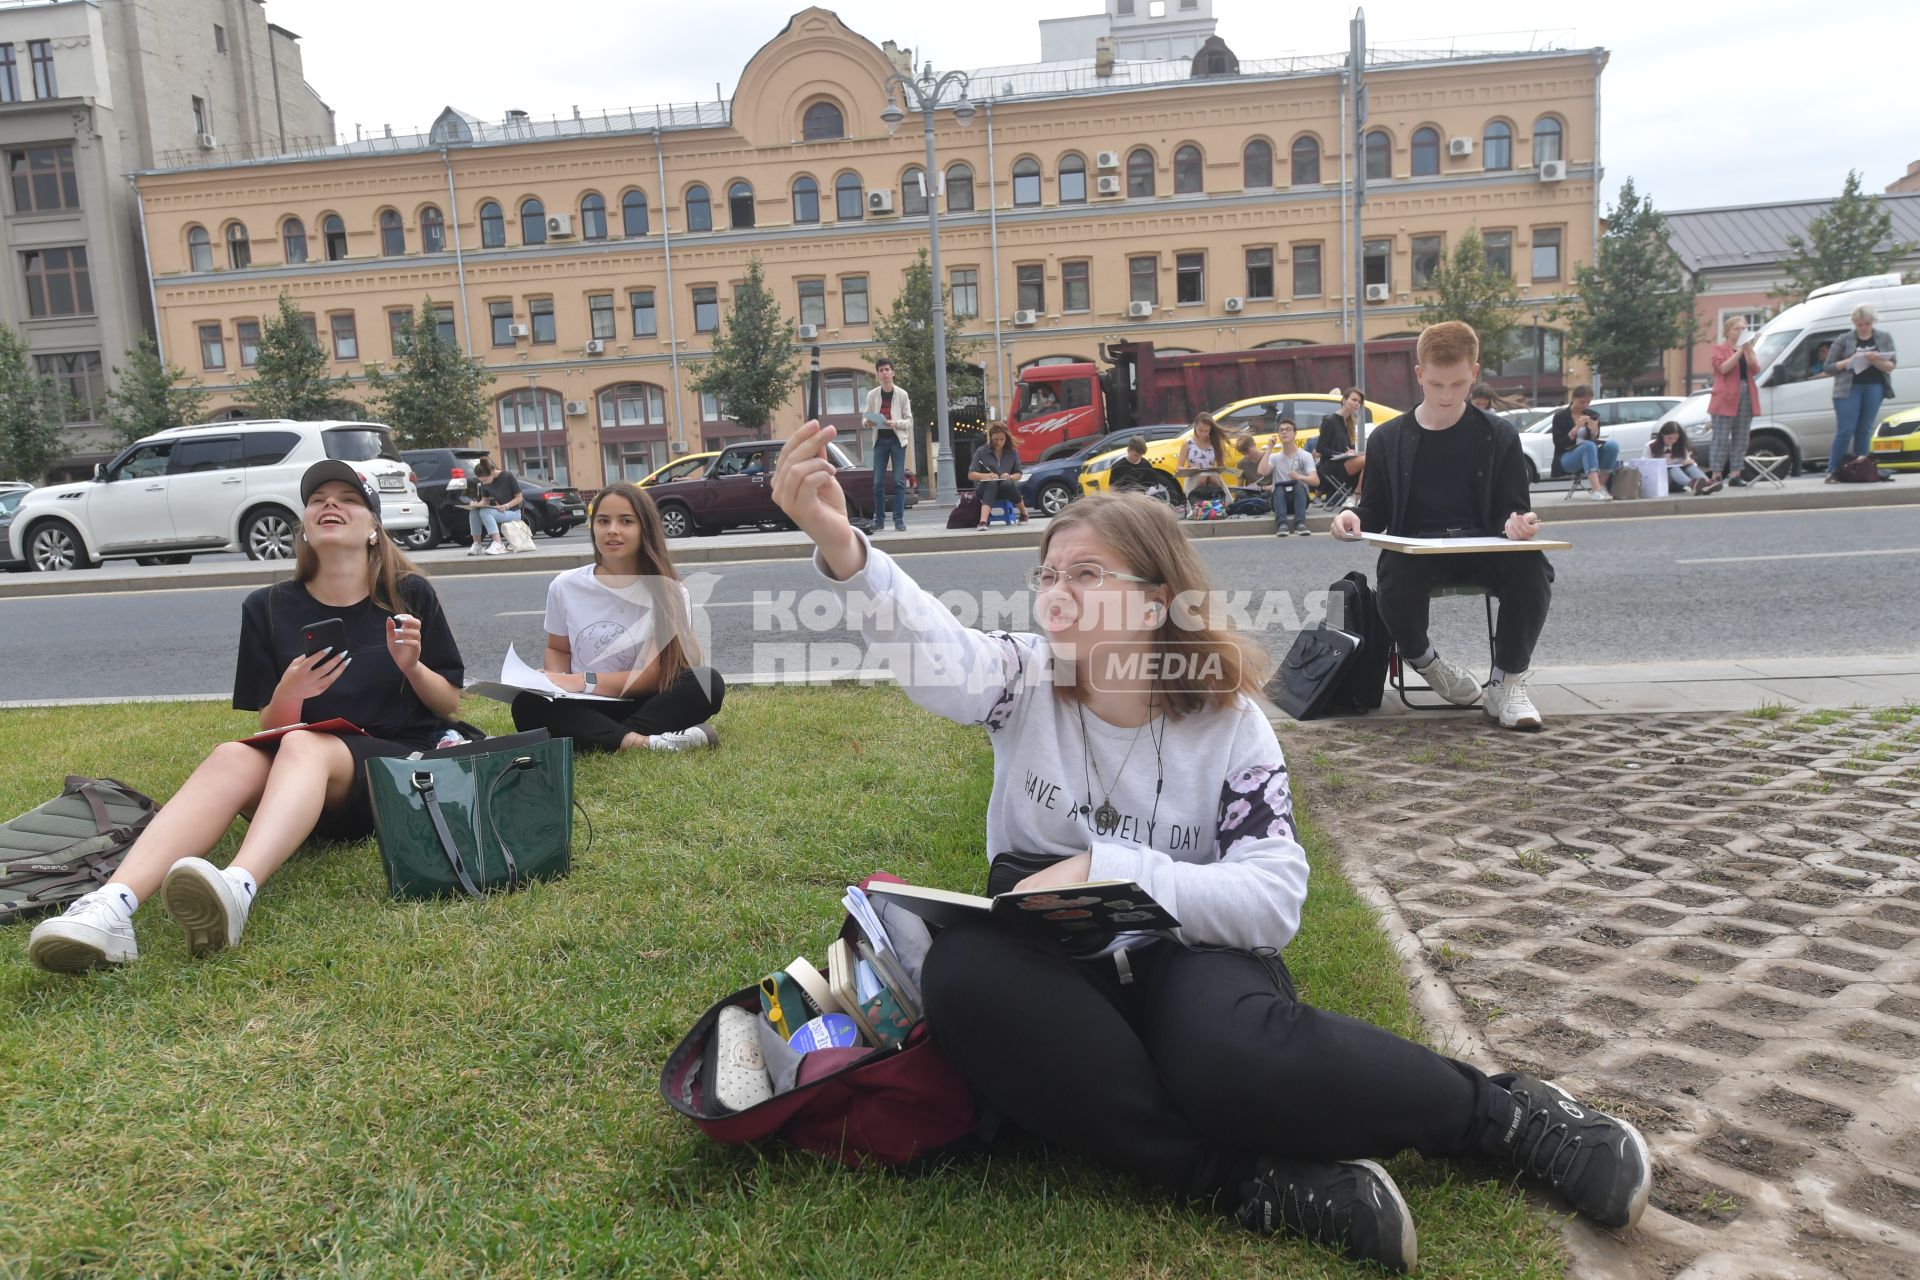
587 261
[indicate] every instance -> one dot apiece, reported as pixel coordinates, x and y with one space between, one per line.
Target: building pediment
815 58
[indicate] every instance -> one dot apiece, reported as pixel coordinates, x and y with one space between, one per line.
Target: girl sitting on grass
307 783
1186 1060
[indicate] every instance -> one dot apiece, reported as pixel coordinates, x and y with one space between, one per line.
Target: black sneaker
1738 482
1600 1164
1351 1205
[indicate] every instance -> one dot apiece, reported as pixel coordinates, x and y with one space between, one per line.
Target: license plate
392 484
1886 446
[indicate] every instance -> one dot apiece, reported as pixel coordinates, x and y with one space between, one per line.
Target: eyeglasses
1086 576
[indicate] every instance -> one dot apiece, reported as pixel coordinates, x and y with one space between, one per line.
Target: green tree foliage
1634 303
290 377
151 395
435 396
31 411
1854 237
753 368
1466 287
905 334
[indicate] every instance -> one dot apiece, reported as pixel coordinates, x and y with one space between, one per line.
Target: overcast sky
1701 104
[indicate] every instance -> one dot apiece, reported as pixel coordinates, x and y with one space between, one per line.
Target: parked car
1048 486
680 468
1896 444
221 486
736 488
445 479
1628 421
9 503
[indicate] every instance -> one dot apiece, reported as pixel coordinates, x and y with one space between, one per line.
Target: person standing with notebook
892 444
1185 1059
398 679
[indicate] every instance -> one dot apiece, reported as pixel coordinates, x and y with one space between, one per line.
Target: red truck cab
1056 403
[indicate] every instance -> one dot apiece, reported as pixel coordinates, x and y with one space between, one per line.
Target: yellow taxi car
1896 444
680 469
1256 414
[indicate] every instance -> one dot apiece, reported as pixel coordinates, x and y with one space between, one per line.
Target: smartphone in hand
324 634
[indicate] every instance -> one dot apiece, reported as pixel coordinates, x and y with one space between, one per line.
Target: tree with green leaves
290 378
905 334
754 367
1467 287
1853 237
31 411
151 395
435 397
1634 301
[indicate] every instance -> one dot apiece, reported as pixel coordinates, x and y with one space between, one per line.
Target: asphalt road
1779 584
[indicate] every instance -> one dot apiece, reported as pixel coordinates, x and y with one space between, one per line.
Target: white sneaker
93 932
1509 702
1455 684
1600 495
475 549
206 903
697 738
498 548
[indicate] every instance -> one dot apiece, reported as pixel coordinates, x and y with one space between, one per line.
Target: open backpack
69 846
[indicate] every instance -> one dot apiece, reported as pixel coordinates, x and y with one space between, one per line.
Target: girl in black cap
395 676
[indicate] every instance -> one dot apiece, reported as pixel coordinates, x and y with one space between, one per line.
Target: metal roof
1755 235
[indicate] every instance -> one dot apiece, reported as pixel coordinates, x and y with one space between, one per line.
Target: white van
1796 394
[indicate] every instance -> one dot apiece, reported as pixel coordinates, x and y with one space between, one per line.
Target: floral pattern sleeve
1255 804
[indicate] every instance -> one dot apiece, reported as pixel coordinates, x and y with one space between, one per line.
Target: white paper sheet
517 677
1430 545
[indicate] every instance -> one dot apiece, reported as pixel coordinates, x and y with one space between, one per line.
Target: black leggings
1184 1076
692 699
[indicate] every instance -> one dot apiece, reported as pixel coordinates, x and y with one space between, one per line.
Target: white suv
216 487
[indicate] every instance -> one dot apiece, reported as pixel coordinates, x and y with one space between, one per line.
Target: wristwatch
592 679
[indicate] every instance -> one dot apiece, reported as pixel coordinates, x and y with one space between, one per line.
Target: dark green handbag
490 815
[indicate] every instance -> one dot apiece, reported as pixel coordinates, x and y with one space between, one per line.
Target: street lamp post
924 95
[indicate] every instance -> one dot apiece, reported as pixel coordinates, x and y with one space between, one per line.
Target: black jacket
1334 438
1499 472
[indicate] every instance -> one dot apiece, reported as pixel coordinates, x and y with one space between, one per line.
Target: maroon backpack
890 1106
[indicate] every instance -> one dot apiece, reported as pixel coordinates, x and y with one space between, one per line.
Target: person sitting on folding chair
1449 469
1339 452
1201 468
1579 450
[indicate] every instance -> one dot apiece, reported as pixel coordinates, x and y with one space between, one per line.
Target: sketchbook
1460 546
335 725
516 678
1096 907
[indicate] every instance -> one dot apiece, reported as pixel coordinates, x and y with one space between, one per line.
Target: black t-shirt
1334 438
1441 497
503 487
372 694
1869 376
1128 474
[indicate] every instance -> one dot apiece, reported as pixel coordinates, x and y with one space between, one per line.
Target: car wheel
421 539
1533 472
675 520
1053 498
267 535
1772 442
54 546
557 529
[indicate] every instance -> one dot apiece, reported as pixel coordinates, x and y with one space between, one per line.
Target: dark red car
736 490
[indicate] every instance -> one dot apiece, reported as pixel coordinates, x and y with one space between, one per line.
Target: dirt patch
1647 914
1674 1075
1693 955
1737 936
1885 1199
1693 1198
1868 936
1899 914
1753 1005
1753 1152
1802 1112
1805 981
1832 1069
1774 913
1901 1007
1715 1038
1612 1009
1567 959
1882 1039
1841 958
1601 936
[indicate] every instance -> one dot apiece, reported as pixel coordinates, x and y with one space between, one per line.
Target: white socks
119 897
1497 676
1424 661
242 880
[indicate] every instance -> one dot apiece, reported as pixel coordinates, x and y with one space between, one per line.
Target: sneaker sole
1409 1239
196 908
56 954
1637 1205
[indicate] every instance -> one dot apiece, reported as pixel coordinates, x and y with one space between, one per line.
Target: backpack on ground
69 846
1862 469
1328 672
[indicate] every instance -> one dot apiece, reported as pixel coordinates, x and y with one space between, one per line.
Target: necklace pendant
1105 818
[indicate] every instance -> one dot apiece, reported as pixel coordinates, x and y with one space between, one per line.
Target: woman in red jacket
1735 396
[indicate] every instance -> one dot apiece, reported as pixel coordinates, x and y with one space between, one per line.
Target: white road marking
1799 555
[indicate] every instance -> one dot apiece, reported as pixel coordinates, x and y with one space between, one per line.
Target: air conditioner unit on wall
560 226
596 346
1139 310
208 142
1107 160
1107 184
879 202
808 332
1025 319
576 408
1459 146
1553 171
519 330
1236 304
1379 293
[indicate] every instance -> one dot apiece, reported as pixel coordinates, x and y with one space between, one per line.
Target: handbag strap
514 766
423 783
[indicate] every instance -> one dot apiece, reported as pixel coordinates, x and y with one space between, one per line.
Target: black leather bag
1313 671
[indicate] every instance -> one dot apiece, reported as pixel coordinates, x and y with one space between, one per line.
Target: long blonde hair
1144 533
387 567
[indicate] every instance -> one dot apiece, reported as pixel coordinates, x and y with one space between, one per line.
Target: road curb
701 551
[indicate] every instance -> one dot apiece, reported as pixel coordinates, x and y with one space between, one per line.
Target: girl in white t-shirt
1202 471
622 628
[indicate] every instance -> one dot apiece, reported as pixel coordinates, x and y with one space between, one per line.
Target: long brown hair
1213 430
387 567
1144 533
1001 429
681 649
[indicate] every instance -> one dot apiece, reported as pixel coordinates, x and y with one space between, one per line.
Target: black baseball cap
333 469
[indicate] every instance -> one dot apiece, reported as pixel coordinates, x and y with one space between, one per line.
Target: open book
335 725
1096 907
516 678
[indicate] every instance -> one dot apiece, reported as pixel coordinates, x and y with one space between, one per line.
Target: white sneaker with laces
697 738
1455 684
1599 495
1509 703
206 903
93 932
497 548
475 549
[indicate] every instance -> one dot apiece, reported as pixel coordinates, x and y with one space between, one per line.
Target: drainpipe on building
673 323
459 259
1347 300
1599 62
146 259
993 245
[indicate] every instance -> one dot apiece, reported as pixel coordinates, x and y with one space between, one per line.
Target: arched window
1548 140
493 226
1256 165
533 221
433 231
593 216
699 208
806 200
1140 173
533 434
393 234
1189 171
959 188
633 213
1305 161
1073 178
822 121
199 249
1426 152
1379 153
740 206
1026 181
1496 147
293 240
633 430
633 404
335 233
239 249
849 200
913 193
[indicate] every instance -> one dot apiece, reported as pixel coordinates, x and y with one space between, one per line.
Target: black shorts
352 818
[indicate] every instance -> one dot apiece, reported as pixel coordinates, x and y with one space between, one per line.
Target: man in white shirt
892 443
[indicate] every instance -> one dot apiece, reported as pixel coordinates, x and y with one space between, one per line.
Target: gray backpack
69 846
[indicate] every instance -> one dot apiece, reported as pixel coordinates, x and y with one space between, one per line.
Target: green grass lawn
459 1089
